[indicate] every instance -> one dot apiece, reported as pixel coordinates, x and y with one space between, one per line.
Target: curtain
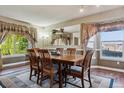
28 32
2 36
87 31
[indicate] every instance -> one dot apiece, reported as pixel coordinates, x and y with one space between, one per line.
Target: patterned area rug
21 80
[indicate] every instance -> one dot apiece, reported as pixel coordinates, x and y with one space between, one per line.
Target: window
14 44
112 44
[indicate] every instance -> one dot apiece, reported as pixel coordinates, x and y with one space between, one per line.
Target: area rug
21 80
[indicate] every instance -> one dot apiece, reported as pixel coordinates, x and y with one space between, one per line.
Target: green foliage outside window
14 44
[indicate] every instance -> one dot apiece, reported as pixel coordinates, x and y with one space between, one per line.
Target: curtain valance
28 32
114 26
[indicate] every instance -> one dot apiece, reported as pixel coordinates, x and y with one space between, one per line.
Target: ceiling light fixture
81 9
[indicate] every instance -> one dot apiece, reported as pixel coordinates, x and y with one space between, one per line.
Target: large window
14 44
112 44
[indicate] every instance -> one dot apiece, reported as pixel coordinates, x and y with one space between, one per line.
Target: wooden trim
108 68
15 65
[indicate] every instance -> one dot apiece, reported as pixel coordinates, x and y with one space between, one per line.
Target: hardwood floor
118 76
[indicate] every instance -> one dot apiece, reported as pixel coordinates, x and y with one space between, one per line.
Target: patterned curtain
2 36
87 31
28 32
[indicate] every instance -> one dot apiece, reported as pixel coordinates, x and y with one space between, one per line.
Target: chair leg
74 78
38 77
65 75
82 82
30 74
51 81
89 78
35 72
65 80
41 78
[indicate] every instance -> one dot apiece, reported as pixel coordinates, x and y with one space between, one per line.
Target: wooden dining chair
34 63
79 72
61 50
71 51
47 67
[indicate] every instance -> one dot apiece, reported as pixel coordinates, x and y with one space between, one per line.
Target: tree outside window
14 44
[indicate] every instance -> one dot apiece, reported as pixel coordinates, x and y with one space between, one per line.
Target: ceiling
45 15
72 29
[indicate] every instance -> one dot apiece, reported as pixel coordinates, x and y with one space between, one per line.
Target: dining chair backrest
36 51
33 58
45 58
87 60
61 50
71 51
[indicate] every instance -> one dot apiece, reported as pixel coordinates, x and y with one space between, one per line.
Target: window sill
112 59
16 55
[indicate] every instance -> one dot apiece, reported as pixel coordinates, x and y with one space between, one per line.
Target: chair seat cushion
76 69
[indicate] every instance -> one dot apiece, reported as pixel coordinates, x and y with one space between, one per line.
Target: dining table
67 60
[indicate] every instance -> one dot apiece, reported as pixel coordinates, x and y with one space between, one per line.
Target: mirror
67 36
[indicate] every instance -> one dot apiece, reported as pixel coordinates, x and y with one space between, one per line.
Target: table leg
60 75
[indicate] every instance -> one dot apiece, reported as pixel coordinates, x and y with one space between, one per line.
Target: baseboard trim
109 68
15 65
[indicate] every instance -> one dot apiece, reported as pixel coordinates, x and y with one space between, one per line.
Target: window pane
7 46
21 44
14 44
112 44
